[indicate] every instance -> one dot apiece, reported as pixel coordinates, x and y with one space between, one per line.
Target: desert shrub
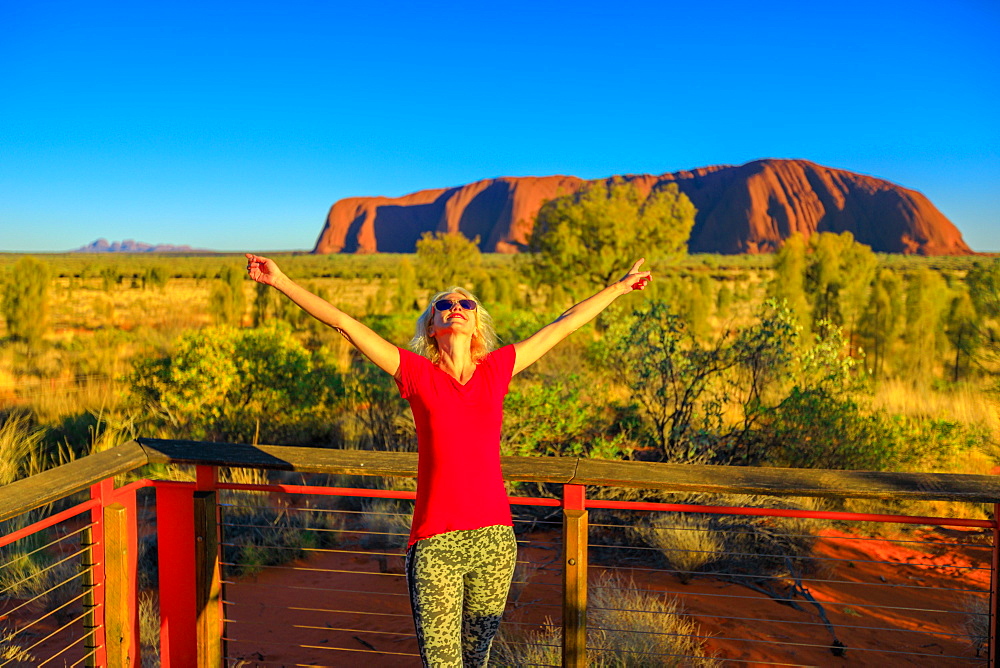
25 302
685 540
685 387
555 419
630 627
627 628
226 384
514 647
765 545
813 428
977 623
732 544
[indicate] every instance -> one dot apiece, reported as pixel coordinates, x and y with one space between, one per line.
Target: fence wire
323 583
44 616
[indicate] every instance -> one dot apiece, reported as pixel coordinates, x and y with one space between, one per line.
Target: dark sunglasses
446 304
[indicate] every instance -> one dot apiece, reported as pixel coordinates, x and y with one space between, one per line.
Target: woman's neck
456 357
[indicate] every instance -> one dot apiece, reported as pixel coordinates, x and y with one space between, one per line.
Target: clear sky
235 125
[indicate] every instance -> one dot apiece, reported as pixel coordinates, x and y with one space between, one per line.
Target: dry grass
966 404
977 623
149 630
20 452
685 540
627 628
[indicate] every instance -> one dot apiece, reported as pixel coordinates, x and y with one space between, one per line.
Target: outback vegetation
823 355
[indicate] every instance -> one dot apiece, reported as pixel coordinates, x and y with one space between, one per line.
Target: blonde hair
484 339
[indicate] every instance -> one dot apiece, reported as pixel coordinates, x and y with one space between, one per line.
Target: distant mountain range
132 246
750 208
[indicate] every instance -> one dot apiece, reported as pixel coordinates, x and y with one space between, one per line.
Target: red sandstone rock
751 208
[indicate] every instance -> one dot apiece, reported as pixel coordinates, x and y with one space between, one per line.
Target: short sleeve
410 368
503 367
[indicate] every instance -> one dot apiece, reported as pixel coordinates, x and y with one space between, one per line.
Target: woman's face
455 319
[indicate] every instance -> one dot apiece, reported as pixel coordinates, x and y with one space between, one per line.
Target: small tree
228 301
962 328
224 384
838 275
593 233
789 278
26 300
882 321
927 302
444 260
155 276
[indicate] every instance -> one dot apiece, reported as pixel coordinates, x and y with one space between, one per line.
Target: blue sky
235 126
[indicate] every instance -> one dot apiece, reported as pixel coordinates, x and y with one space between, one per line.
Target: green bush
816 429
224 384
25 302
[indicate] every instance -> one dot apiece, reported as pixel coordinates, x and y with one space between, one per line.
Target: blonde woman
461 552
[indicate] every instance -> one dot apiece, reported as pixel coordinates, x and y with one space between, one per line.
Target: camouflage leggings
458 589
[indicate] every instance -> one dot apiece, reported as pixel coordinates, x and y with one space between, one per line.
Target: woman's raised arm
374 347
542 341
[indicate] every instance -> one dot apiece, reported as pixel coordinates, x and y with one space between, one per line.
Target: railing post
575 536
118 604
994 650
208 574
190 588
93 580
175 557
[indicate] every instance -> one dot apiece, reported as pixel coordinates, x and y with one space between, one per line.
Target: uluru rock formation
749 208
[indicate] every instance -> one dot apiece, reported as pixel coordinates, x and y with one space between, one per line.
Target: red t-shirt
459 481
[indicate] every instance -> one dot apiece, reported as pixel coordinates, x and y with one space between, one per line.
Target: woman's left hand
635 279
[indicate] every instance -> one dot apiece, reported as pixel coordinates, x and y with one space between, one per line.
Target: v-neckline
456 380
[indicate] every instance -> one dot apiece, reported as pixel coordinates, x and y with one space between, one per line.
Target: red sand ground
292 616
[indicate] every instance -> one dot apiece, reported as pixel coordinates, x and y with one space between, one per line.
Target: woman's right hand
263 270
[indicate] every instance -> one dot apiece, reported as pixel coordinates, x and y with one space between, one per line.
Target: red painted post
94 580
575 537
994 650
175 550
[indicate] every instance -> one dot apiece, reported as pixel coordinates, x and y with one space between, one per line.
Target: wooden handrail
27 494
30 493
581 471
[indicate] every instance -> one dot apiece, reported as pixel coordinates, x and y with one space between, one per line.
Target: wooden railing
191 605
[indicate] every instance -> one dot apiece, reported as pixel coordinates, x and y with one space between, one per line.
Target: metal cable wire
320 589
60 629
71 644
44 593
792 535
43 570
45 547
53 611
280 644
316 570
751 576
785 600
814 558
